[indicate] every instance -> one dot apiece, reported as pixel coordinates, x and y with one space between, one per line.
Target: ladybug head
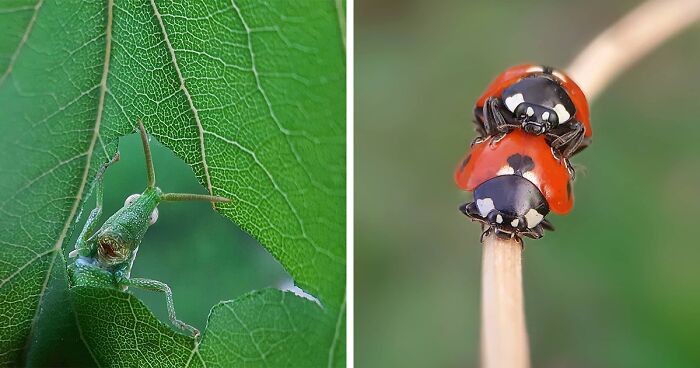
539 103
509 204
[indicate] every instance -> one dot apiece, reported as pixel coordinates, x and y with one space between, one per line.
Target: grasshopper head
122 233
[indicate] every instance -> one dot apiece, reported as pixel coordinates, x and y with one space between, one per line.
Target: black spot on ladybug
520 163
465 161
568 189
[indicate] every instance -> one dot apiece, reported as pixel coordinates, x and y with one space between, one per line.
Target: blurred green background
618 283
202 255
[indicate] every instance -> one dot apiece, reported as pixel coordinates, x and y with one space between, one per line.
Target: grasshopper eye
154 216
131 199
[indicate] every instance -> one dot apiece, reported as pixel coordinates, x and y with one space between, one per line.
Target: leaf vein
336 336
22 42
82 337
184 89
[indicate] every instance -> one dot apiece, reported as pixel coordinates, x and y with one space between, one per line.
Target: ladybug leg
534 233
575 142
470 210
477 140
547 225
572 172
567 163
506 235
494 118
497 138
485 231
494 121
489 125
584 143
538 231
569 141
479 121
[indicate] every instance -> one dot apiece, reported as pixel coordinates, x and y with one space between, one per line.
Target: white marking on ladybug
559 75
533 218
545 115
499 219
530 111
505 170
485 206
529 175
513 101
562 113
534 69
515 222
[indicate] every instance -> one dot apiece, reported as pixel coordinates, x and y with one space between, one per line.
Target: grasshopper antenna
149 160
193 197
152 177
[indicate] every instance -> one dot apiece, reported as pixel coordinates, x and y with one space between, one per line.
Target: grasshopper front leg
82 245
154 285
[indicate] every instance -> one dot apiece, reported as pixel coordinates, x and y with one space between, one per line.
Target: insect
104 256
539 100
516 182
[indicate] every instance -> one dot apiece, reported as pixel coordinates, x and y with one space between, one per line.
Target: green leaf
239 333
250 95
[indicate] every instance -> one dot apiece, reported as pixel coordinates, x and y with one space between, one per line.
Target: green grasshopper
105 257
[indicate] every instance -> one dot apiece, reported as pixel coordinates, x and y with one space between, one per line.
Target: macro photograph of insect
333 183
527 189
172 183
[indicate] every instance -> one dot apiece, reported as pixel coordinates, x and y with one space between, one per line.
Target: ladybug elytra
516 182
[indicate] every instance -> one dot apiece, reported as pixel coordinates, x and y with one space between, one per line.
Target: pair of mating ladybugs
531 120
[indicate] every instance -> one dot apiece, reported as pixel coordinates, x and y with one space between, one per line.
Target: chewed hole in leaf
288 285
200 254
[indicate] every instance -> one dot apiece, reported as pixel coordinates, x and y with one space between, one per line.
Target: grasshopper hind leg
154 285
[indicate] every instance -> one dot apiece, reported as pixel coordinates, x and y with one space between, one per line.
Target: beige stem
503 333
629 39
504 340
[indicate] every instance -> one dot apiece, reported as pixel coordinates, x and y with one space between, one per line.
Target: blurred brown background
618 283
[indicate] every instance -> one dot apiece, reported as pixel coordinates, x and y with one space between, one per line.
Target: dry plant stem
628 40
503 334
504 340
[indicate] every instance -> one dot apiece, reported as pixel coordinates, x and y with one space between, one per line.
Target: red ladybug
516 182
539 100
